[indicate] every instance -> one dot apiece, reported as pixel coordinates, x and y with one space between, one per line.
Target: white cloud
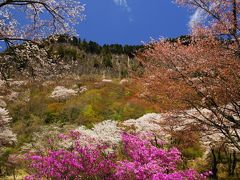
198 17
122 3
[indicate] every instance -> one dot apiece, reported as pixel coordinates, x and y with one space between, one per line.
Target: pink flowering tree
22 20
217 17
139 159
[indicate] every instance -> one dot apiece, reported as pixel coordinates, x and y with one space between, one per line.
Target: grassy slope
100 102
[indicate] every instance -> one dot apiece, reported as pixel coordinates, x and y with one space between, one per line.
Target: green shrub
88 112
192 152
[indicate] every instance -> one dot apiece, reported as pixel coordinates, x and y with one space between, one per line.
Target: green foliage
88 112
106 58
4 165
96 63
61 52
4 154
94 48
72 112
107 61
124 73
67 52
192 152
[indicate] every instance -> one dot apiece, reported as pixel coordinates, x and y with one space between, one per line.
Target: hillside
75 109
63 55
65 90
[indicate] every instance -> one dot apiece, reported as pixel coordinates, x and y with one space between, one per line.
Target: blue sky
132 21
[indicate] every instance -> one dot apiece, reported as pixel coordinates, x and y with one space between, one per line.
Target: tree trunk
234 30
232 164
214 165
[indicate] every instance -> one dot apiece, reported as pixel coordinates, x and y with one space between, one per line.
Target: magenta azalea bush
145 161
77 164
138 159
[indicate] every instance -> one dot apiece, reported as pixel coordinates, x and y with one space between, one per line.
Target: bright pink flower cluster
141 160
80 162
145 161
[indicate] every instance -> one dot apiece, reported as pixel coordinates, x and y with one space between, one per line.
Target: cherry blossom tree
32 20
217 16
201 72
22 20
203 75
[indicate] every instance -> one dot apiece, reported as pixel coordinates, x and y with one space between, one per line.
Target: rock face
61 93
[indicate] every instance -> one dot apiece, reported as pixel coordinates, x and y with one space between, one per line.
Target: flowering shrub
76 164
61 92
139 160
145 161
